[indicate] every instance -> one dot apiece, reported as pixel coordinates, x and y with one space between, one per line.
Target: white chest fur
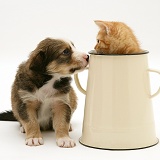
46 91
45 94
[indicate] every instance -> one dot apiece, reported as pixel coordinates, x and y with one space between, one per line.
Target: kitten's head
116 38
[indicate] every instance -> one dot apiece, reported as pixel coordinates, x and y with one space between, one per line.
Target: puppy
42 97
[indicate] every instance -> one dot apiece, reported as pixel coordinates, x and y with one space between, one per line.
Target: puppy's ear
38 62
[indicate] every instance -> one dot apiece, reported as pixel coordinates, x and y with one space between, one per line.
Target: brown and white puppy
42 96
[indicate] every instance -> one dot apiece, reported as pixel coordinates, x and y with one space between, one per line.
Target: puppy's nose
86 57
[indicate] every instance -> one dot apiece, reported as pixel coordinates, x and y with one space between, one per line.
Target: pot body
118 109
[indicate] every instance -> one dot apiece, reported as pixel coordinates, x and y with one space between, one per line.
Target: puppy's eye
98 40
66 52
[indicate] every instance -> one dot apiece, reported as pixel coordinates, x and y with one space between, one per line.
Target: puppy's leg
70 128
22 129
61 124
31 126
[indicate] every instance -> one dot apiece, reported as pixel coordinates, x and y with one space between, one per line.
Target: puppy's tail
7 116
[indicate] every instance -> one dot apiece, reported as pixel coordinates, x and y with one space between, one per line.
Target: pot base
118 149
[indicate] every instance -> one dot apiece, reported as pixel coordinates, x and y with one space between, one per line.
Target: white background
23 24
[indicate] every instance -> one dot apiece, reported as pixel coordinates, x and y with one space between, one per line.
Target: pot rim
94 52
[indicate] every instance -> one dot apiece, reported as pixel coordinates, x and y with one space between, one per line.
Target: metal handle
158 91
76 79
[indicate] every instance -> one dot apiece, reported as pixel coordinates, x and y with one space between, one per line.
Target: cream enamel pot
118 110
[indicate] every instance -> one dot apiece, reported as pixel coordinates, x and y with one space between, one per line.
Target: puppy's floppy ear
38 62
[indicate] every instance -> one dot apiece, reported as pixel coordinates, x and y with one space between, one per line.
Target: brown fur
42 90
116 38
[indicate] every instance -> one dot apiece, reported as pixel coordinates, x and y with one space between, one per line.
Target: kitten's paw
34 141
65 142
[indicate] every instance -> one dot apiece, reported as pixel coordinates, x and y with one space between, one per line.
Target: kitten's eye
98 41
66 52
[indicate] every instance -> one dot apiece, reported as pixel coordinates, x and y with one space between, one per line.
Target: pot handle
76 79
158 91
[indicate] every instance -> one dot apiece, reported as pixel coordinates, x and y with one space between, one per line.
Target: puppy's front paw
65 142
34 141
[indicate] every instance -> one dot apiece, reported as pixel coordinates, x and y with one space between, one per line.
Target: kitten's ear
102 25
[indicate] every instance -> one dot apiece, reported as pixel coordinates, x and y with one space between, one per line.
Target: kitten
116 38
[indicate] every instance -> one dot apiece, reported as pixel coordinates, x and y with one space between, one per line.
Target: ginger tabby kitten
116 38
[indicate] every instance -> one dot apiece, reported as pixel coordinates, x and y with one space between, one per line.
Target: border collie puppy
42 97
